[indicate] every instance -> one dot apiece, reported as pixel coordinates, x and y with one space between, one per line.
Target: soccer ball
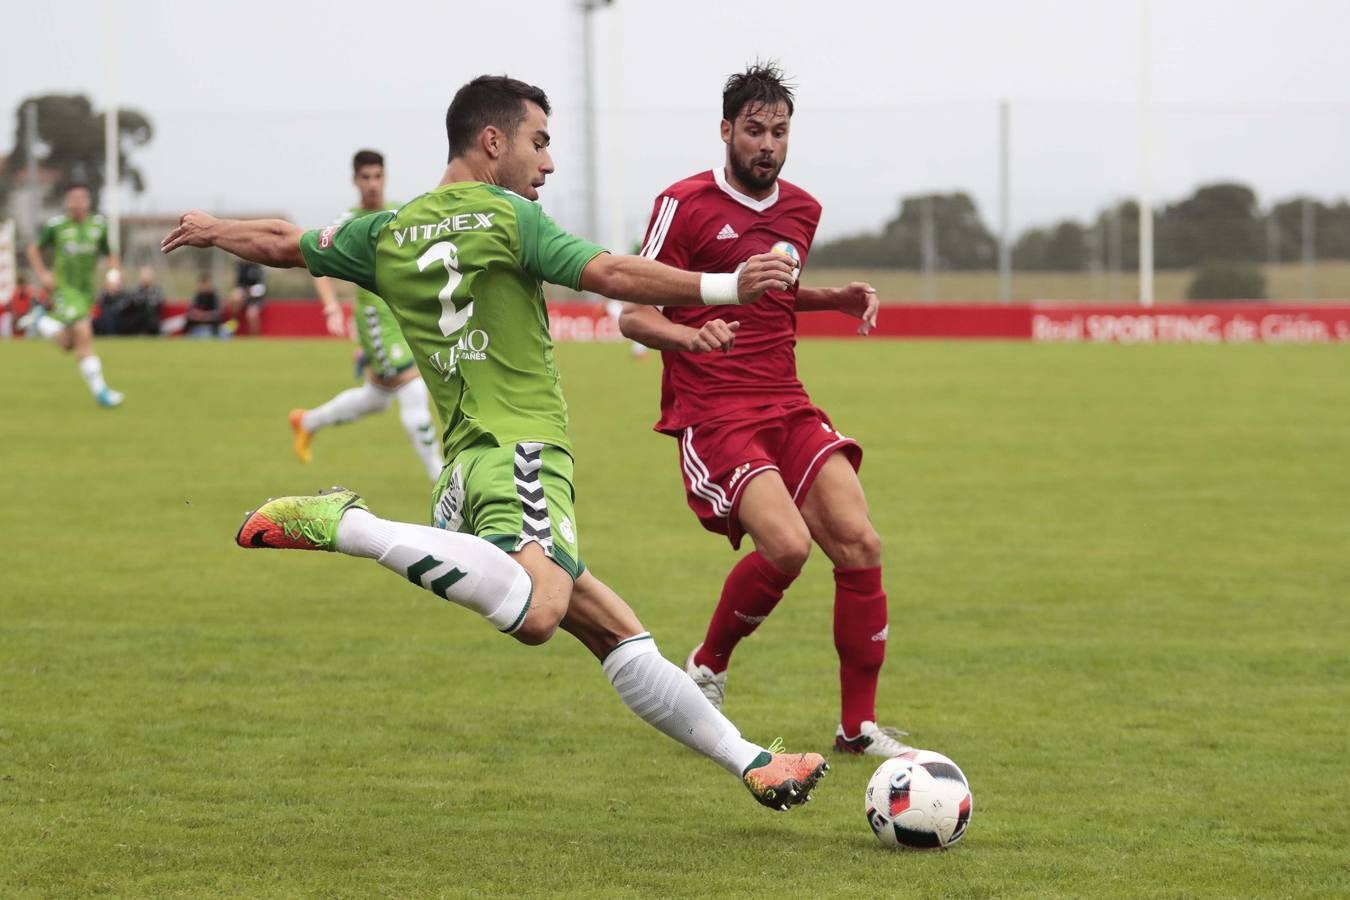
919 800
783 248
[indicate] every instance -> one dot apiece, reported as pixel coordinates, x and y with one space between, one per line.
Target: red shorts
719 459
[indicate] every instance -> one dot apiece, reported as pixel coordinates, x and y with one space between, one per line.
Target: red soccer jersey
705 225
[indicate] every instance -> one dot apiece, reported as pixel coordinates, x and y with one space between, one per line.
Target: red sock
752 590
860 631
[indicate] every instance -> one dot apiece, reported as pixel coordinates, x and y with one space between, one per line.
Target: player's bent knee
855 548
538 628
787 553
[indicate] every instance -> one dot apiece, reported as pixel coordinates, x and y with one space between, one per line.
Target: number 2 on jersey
447 254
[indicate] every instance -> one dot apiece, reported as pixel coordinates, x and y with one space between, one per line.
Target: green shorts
69 307
511 496
381 340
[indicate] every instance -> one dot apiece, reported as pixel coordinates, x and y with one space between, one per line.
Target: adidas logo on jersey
727 233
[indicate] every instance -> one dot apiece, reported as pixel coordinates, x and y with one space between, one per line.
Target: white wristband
719 289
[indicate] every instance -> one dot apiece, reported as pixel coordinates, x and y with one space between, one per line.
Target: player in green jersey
76 241
462 267
391 371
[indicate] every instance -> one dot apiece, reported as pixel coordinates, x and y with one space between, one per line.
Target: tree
959 236
1331 229
1061 248
70 139
1217 222
1226 279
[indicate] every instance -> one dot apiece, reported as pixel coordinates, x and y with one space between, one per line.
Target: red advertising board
1196 323
1208 323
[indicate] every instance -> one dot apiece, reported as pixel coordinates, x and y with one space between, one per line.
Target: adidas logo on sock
749 620
727 233
882 634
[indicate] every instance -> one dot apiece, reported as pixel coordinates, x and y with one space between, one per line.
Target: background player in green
391 372
462 268
75 240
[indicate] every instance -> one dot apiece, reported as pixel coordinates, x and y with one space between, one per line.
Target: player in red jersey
756 456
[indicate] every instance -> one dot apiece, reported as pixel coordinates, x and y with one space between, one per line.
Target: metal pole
1004 205
1095 253
1309 247
927 247
1272 245
1145 159
1115 250
112 180
592 130
30 128
619 239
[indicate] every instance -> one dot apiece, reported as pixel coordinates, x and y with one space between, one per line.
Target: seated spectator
204 316
110 303
140 313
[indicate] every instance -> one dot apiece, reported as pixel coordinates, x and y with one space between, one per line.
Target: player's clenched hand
859 299
765 272
335 322
715 335
194 230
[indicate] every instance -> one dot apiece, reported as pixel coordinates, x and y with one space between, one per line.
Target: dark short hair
488 100
366 158
78 185
762 84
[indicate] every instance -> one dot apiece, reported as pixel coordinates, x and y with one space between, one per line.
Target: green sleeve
549 253
104 248
345 251
47 236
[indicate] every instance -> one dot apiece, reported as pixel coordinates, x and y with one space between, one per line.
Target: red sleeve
663 242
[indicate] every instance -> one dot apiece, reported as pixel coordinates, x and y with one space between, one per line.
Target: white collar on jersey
720 176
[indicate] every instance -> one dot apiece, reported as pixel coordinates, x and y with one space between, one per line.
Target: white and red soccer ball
918 800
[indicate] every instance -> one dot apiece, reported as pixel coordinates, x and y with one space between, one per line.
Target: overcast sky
259 105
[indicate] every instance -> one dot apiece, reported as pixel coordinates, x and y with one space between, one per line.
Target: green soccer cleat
298 523
781 781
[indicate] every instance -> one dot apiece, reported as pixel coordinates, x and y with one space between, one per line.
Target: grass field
1118 582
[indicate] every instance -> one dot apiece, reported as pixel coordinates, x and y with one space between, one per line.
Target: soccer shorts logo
450 511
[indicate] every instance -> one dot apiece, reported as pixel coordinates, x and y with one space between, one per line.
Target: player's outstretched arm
648 327
44 275
857 299
636 279
272 242
332 310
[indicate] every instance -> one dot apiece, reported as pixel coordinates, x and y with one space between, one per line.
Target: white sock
92 370
48 328
661 695
462 568
415 415
347 406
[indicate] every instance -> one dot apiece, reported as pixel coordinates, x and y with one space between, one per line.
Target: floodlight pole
30 126
1145 158
1309 247
112 181
1004 206
592 127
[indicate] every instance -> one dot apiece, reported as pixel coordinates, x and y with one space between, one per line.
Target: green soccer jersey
462 268
76 247
357 212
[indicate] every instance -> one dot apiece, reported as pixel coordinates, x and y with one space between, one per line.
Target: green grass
1118 582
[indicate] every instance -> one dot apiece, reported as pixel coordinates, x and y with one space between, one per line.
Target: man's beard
748 176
